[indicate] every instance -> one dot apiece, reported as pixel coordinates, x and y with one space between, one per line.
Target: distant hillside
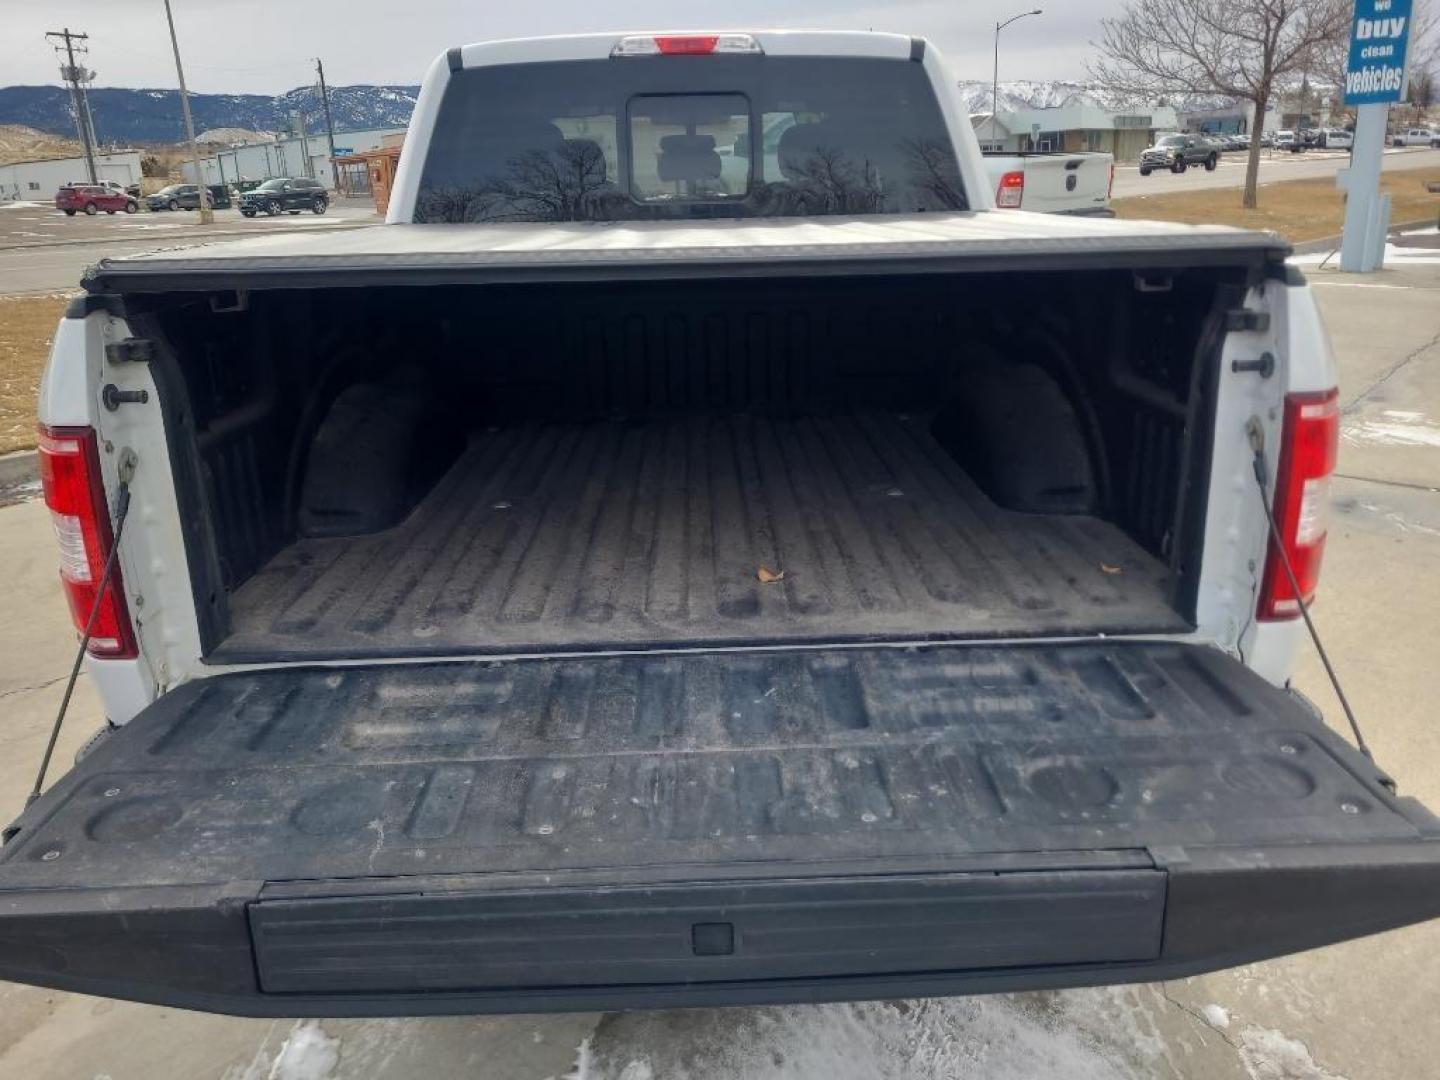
1018 94
153 116
19 143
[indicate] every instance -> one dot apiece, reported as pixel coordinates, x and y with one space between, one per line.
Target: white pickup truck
1052 182
644 575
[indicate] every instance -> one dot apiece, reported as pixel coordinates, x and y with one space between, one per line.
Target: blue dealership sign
1379 40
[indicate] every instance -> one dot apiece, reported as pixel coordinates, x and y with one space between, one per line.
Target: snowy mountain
233 136
1016 94
124 115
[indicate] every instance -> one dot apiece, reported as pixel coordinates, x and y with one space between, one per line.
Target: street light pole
207 216
995 81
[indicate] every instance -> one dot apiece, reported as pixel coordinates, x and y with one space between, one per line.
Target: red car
92 198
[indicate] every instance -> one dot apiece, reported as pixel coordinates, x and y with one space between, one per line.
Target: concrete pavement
1274 167
1360 1011
42 250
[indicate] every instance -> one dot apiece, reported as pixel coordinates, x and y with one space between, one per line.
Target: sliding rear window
660 138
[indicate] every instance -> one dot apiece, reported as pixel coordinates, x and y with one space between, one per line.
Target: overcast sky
264 46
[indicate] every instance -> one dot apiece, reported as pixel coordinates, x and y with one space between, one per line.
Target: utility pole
72 73
329 123
305 164
207 216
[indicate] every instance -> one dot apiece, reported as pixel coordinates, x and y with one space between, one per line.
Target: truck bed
630 534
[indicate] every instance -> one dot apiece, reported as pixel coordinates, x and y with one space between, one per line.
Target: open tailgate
646 830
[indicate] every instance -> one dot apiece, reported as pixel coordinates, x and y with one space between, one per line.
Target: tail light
75 494
1011 192
686 45
1309 444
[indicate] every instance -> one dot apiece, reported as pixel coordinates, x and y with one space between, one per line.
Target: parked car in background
1179 152
1337 139
1417 137
1288 140
92 198
110 185
287 195
1241 141
187 197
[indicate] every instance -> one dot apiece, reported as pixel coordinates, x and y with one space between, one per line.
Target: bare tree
1422 94
1236 48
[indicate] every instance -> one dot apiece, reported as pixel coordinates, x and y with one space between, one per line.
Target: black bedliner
593 832
629 534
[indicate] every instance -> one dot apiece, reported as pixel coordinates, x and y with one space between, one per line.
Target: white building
286 157
1075 126
38 180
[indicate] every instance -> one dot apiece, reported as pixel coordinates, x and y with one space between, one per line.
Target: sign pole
1375 77
1360 252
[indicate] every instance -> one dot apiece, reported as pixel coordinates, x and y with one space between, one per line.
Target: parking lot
1359 1011
27 224
1275 166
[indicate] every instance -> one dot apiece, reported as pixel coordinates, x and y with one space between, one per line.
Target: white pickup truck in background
698 552
1052 182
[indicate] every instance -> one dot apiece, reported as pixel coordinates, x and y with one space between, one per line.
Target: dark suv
1179 152
187 197
285 195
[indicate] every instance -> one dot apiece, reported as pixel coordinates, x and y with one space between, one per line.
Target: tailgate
730 827
1067 183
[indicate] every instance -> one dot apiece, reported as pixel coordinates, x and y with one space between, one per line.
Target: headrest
689 157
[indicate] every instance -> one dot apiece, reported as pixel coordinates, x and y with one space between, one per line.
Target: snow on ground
1393 427
1080 1035
308 1054
1395 256
1269 1055
1217 1016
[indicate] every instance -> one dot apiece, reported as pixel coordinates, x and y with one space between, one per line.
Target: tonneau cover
560 251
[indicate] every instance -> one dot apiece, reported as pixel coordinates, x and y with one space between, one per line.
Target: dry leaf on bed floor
768 576
1106 568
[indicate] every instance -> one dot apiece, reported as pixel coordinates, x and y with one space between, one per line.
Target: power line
76 76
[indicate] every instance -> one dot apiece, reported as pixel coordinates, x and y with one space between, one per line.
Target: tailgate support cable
1262 473
122 510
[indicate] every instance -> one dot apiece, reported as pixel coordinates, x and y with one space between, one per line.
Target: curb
1332 243
21 467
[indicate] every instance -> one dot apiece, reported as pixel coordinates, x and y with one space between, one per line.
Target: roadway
1274 167
42 250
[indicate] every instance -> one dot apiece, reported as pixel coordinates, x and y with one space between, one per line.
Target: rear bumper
435 947
1090 211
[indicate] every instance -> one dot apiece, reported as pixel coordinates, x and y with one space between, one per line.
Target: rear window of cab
686 137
